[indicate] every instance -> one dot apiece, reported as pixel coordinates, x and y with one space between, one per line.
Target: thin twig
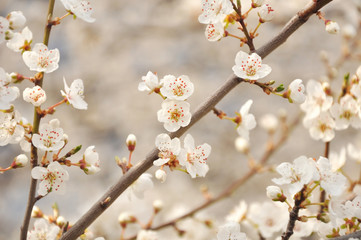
127 179
36 123
355 235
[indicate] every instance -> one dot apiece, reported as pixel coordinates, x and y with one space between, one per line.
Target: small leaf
280 88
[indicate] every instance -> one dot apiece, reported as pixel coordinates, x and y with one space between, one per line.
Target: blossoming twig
126 180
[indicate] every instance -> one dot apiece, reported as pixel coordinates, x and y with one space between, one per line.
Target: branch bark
113 192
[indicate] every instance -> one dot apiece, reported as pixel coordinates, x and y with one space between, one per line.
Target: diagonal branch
114 191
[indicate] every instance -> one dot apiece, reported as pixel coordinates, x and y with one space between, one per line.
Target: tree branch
356 235
113 192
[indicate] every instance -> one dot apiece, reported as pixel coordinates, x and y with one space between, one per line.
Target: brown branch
356 235
113 192
36 122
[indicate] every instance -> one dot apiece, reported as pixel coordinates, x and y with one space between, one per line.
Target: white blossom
16 20
250 67
80 8
242 145
35 96
7 93
51 178
316 100
248 121
194 158
139 186
75 94
150 83
41 59
49 138
230 231
257 3
43 230
265 13
334 183
4 27
297 90
214 31
10 131
337 160
322 127
20 41
169 149
294 176
346 113
269 122
239 213
332 27
354 152
179 88
213 10
91 159
147 235
174 114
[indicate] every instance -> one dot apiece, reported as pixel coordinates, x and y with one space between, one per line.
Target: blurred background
130 38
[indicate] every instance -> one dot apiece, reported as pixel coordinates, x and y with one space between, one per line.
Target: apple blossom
81 9
179 88
91 160
16 20
248 121
346 113
265 13
35 96
4 27
214 31
174 114
150 83
332 27
321 127
230 230
51 178
301 172
239 213
43 230
213 10
296 90
147 235
194 158
49 138
250 67
75 94
333 183
316 100
169 149
139 186
7 94
20 41
41 59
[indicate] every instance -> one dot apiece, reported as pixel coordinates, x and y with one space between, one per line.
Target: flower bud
257 3
158 205
161 175
131 142
125 218
36 212
332 27
269 122
275 193
349 31
16 20
20 161
60 221
242 145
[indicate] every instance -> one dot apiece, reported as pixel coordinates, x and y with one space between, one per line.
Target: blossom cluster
192 158
175 112
324 115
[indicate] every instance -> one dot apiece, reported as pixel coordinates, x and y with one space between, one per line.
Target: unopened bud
242 145
161 175
269 122
20 161
349 31
36 212
275 193
125 218
158 205
60 221
131 142
332 27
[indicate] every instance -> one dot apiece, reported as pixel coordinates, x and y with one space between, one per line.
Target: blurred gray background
130 38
